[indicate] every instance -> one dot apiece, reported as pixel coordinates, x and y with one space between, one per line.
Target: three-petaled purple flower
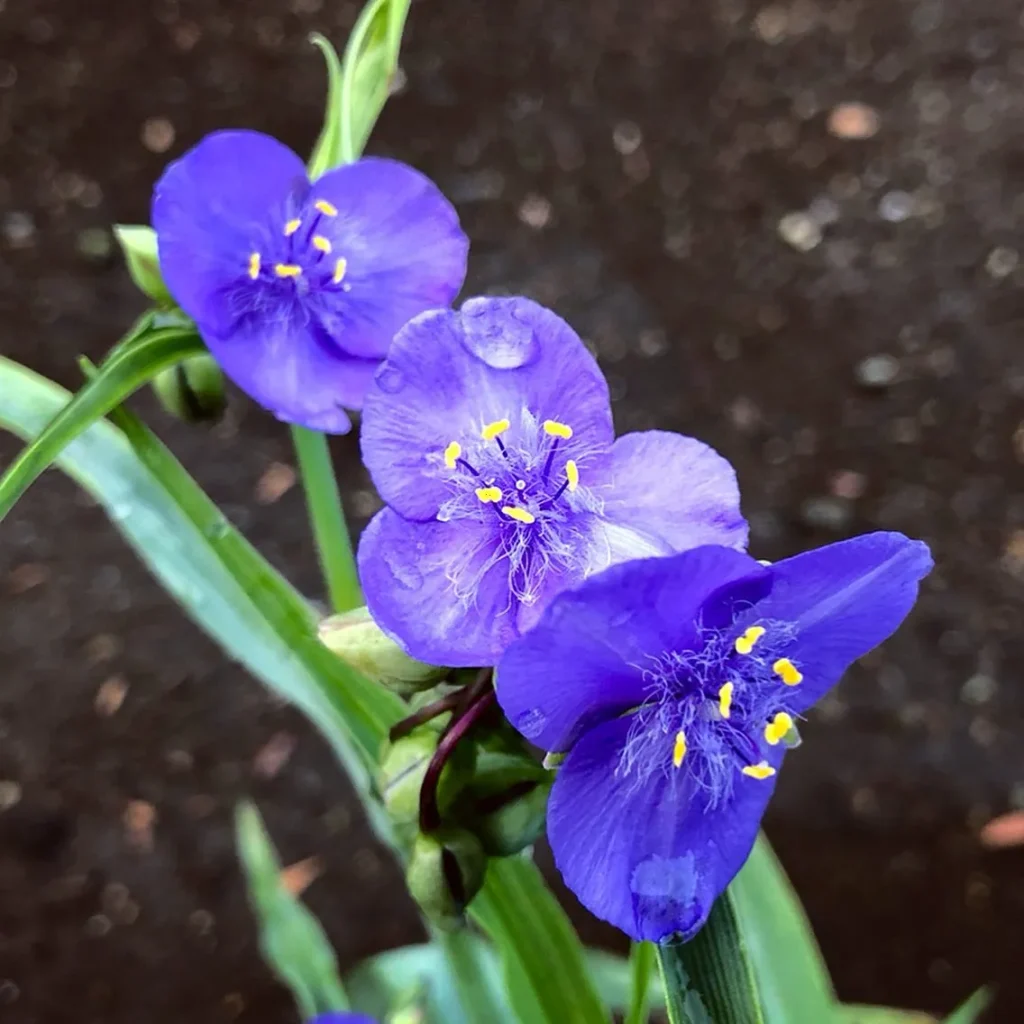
298 287
672 684
488 433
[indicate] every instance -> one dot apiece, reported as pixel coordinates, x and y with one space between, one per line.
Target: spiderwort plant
488 433
298 287
670 684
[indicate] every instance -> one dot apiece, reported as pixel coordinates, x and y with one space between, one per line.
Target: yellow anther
452 453
788 672
725 700
287 269
679 750
321 243
291 227
556 429
254 265
519 514
492 494
339 269
745 643
777 728
572 474
492 430
326 208
759 771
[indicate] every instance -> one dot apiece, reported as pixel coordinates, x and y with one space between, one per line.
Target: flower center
521 482
712 711
306 257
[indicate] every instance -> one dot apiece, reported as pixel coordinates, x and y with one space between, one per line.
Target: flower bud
192 390
360 642
139 245
402 771
445 872
505 800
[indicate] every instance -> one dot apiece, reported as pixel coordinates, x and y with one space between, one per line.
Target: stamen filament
549 461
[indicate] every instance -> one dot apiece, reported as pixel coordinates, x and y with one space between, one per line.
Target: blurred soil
790 229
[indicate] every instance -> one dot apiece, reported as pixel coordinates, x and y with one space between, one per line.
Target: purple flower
488 433
299 287
672 683
342 1017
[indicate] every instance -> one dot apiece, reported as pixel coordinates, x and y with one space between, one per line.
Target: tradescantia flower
342 1017
298 287
488 433
672 683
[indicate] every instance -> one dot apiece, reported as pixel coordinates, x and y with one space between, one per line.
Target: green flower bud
138 243
360 642
402 771
192 390
505 800
445 872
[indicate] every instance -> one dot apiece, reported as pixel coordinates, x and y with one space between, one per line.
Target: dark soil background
840 316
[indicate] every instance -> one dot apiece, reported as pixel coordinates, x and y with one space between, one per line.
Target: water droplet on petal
531 722
390 379
496 336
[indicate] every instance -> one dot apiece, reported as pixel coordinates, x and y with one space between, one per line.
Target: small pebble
896 206
825 513
854 121
800 230
1002 262
158 134
10 794
979 689
535 211
878 371
95 244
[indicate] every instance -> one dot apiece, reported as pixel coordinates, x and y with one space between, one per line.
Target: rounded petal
296 375
649 858
665 492
449 373
210 211
586 660
438 589
403 248
841 601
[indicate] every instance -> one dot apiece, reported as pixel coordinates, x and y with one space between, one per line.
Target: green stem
327 517
641 962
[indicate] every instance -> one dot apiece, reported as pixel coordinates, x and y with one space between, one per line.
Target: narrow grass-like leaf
642 957
292 940
849 1014
971 1009
134 365
545 961
714 966
791 975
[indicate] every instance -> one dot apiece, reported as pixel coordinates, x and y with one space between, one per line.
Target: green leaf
357 88
127 370
215 574
138 243
972 1008
545 968
713 966
794 987
642 957
291 938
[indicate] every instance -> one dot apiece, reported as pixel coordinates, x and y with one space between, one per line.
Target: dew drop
530 723
496 335
390 379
